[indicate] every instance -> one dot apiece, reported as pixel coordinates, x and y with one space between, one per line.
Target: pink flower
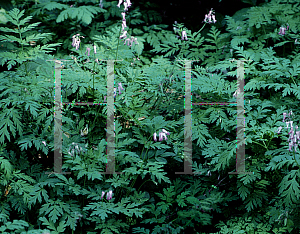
109 195
184 36
123 15
166 132
284 115
128 3
119 4
134 39
126 6
120 88
213 18
154 136
123 25
279 129
290 146
128 40
103 193
76 41
162 135
123 35
88 50
209 17
282 31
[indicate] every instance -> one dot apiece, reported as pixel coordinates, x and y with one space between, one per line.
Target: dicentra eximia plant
76 41
108 195
283 29
293 137
162 135
210 17
131 39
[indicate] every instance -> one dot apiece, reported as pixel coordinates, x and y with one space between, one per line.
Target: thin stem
261 144
118 43
293 80
20 35
139 169
94 76
142 184
295 159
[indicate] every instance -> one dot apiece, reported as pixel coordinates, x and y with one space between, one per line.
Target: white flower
213 18
119 4
236 93
184 36
123 35
209 17
124 25
88 49
128 41
109 195
100 4
123 14
128 3
133 39
85 131
279 129
44 142
125 6
154 136
120 87
161 136
166 132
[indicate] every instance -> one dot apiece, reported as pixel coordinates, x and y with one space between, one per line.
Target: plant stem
295 159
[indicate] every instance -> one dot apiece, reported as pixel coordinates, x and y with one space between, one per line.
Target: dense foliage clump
149 103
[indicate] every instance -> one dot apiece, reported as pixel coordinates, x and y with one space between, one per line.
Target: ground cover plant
149 120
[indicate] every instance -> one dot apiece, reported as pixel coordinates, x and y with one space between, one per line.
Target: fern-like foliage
22 36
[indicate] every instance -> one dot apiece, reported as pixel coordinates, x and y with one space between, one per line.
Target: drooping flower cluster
115 91
76 41
282 30
184 36
101 4
88 50
130 40
293 137
108 195
127 4
162 135
210 17
76 147
236 93
78 216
